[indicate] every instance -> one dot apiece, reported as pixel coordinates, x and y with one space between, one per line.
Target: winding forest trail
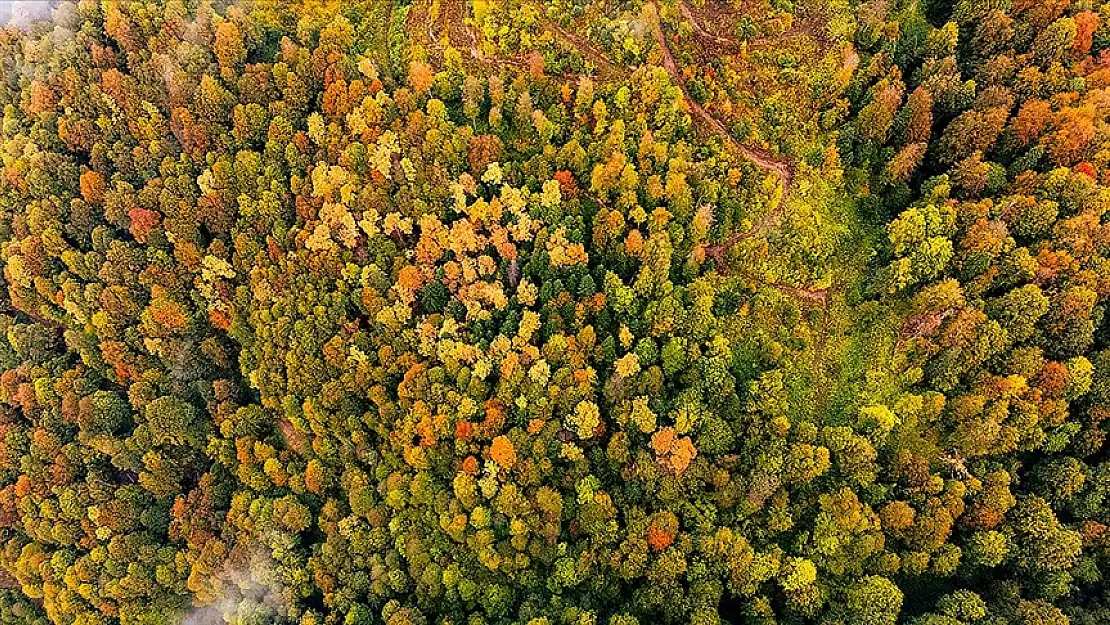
781 167
451 20
605 67
729 46
784 169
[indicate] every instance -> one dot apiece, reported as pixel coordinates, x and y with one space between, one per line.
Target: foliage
453 312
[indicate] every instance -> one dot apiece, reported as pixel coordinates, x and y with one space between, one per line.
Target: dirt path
451 20
722 44
587 49
782 168
815 297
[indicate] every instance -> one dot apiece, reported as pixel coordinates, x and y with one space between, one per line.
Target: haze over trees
582 313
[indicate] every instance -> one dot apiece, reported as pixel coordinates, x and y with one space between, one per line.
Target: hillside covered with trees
576 312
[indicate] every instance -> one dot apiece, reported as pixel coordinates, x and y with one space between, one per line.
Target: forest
555 312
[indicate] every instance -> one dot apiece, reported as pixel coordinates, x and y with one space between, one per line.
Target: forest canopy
579 312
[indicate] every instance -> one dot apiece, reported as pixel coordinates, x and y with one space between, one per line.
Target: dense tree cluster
578 313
